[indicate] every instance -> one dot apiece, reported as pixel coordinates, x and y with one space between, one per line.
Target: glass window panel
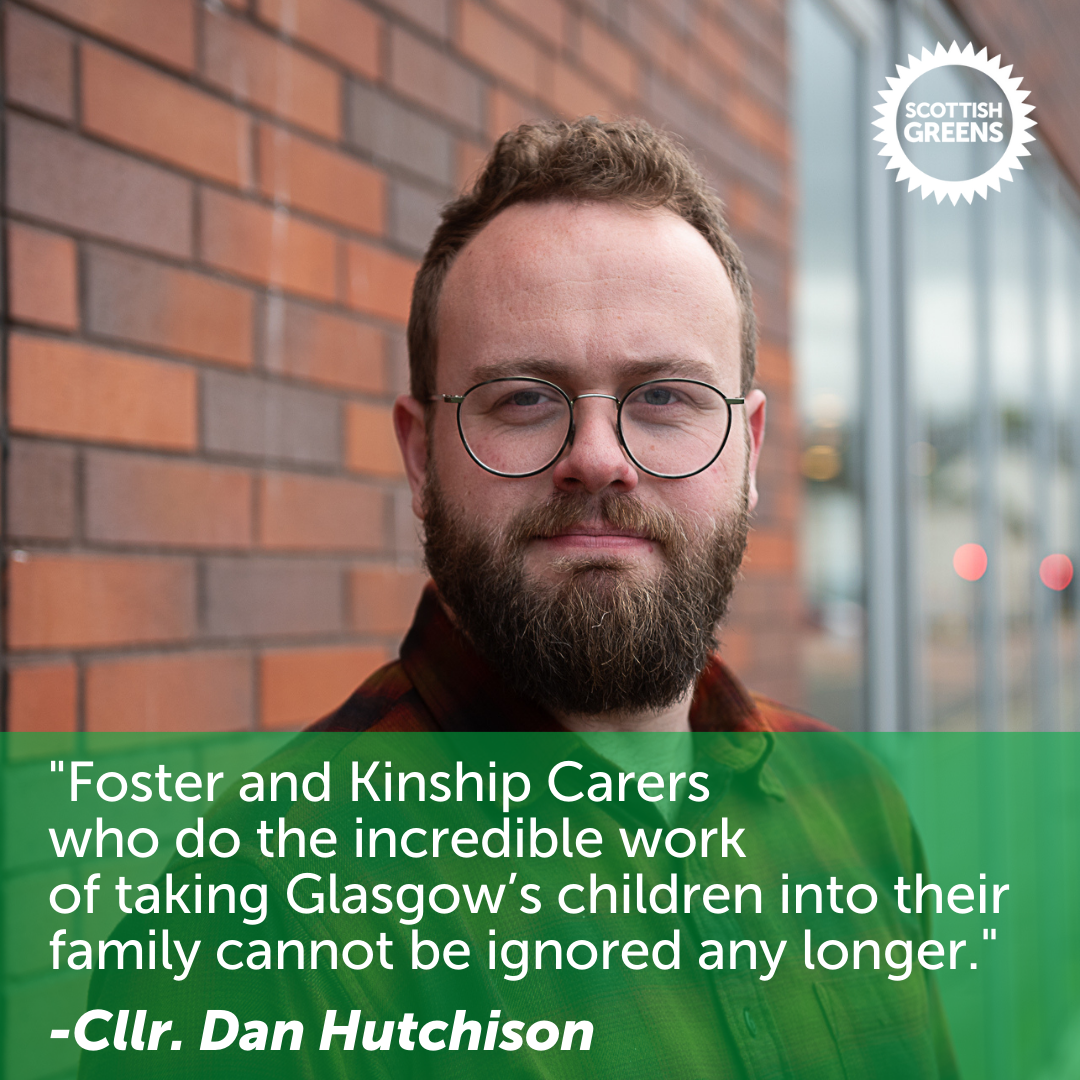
1012 366
828 340
1059 414
943 463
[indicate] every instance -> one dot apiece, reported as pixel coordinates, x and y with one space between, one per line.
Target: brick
642 27
759 600
414 215
302 685
397 361
249 597
132 499
164 30
667 50
470 160
736 648
671 104
42 277
58 388
760 125
268 421
722 47
605 57
314 513
606 9
407 541
43 698
682 14
147 303
573 95
324 182
702 76
774 367
383 598
40 490
432 15
744 207
39 64
571 24
545 17
491 43
79 601
434 79
71 182
770 173
268 246
201 691
340 28
770 82
381 126
752 211
379 282
756 26
307 343
133 105
370 443
770 552
254 67
506 113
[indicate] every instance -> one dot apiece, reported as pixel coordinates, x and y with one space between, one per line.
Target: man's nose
595 459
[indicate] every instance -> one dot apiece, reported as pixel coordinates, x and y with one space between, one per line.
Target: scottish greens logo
954 123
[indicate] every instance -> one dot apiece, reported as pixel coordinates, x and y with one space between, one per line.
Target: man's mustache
622 513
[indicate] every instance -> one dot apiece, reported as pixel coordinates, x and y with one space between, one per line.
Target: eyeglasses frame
458 400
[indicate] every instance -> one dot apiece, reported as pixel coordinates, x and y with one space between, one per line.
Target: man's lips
594 536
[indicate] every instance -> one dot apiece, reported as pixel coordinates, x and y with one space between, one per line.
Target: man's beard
603 638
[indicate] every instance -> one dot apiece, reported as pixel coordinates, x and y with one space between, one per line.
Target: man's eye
657 395
525 397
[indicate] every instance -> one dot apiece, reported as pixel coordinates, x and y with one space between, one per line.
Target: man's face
595 298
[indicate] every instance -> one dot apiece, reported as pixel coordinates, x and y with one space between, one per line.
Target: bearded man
581 441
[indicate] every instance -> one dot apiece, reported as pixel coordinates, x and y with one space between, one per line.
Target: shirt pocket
882 1029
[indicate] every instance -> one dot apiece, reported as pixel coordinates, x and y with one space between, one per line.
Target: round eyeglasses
671 428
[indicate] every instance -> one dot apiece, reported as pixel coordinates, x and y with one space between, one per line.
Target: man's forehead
542 276
609 238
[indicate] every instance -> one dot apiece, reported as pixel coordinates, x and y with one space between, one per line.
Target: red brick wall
214 212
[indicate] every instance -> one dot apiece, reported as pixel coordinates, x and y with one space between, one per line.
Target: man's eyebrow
527 366
629 370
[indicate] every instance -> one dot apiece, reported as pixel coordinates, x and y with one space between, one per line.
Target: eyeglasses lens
674 428
515 426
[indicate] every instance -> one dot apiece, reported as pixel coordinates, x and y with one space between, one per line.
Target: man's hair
624 161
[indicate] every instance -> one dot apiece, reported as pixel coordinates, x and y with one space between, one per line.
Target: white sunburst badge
890 131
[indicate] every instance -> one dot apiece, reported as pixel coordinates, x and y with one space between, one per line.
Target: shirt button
750 1025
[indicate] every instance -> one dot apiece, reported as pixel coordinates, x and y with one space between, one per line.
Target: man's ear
754 410
411 431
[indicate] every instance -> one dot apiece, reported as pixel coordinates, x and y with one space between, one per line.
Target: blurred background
214 210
